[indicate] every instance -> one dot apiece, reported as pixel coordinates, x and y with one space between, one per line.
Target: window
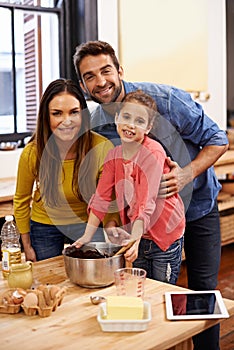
38 40
29 60
6 105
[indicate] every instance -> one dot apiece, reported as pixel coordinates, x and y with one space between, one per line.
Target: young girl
133 172
58 172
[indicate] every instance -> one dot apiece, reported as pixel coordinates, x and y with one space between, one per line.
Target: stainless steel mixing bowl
97 272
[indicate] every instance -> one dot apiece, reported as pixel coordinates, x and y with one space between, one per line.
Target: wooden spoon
124 248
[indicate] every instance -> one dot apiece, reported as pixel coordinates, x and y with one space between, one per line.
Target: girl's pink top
135 184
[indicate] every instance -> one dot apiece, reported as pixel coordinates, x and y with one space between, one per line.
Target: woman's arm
24 188
23 198
28 249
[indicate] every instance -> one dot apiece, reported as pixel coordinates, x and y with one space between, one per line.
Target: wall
216 106
173 37
230 56
164 43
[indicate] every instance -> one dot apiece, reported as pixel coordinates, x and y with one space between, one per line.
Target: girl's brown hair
146 100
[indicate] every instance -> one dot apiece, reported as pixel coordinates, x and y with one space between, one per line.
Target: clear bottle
10 248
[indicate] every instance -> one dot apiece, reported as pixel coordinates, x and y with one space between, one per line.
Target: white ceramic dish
124 325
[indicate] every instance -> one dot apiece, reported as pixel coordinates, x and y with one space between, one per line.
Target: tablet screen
195 305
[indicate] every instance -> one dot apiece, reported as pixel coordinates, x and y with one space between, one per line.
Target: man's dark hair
93 48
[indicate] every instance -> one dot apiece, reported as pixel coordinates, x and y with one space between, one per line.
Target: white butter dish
124 325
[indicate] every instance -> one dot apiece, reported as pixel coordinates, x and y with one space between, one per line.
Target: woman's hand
30 254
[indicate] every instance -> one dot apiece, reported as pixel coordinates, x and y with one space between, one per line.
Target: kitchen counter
74 324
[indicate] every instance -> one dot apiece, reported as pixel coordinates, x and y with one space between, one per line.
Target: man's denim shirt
183 128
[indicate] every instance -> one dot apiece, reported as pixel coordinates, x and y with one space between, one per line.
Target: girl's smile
133 122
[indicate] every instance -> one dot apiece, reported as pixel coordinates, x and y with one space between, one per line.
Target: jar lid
9 217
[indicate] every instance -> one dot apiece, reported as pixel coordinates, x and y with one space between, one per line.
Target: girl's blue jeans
160 265
48 240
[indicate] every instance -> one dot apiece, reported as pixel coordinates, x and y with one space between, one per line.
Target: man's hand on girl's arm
174 181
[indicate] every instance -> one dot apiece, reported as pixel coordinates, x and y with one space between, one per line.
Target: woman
58 172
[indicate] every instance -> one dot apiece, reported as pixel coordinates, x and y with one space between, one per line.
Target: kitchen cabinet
223 167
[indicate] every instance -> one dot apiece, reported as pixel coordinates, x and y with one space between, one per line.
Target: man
101 78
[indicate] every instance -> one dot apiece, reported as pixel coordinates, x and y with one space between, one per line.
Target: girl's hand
81 241
117 235
132 253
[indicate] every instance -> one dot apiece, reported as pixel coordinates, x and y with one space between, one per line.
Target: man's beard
118 91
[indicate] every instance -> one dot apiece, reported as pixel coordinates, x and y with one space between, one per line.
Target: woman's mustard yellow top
27 202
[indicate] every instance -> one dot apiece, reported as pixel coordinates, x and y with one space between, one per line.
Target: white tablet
195 305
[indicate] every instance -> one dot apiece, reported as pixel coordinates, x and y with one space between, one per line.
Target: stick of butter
124 308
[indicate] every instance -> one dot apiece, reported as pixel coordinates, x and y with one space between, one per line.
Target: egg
17 297
31 300
53 291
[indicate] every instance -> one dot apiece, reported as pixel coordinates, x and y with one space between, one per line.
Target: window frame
20 136
78 22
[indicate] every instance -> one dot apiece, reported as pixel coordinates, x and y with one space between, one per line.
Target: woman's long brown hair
48 159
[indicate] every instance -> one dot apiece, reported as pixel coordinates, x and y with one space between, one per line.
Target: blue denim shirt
183 128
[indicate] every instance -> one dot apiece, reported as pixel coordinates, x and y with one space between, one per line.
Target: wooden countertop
74 324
